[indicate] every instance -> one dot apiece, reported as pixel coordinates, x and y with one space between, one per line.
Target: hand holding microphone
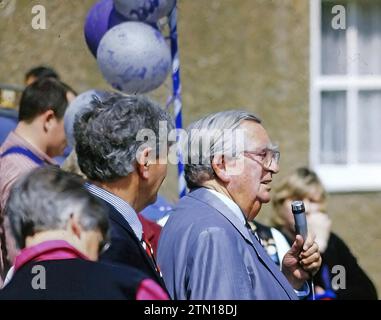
310 248
303 260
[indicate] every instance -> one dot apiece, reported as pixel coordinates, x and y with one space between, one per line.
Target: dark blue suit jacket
126 248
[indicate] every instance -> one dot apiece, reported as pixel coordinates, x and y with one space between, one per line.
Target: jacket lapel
116 216
202 194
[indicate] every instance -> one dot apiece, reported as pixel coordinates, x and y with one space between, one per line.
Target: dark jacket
358 284
74 279
126 248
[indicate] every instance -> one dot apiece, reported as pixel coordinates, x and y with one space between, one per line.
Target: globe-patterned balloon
78 106
134 57
100 18
144 10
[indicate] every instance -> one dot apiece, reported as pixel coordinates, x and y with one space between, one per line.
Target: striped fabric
121 206
15 165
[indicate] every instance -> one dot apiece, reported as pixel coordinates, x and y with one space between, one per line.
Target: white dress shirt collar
123 207
230 204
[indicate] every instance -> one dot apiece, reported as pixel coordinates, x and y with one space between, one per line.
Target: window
345 95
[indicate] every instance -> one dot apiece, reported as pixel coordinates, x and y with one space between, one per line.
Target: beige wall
249 54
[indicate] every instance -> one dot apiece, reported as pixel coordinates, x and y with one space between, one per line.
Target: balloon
101 17
78 106
144 10
134 57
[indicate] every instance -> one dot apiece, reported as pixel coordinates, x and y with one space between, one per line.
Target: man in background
40 72
38 137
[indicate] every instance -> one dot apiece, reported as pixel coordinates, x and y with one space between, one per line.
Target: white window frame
352 176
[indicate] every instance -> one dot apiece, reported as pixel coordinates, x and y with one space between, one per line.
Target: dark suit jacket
74 279
358 285
206 252
126 248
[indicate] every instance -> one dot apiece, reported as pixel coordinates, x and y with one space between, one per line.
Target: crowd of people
80 224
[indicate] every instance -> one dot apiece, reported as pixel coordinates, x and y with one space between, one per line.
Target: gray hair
46 198
106 136
212 129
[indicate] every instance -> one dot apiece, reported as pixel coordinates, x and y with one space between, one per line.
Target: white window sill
350 178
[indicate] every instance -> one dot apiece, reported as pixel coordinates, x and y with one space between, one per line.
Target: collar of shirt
120 205
236 210
231 205
48 250
14 139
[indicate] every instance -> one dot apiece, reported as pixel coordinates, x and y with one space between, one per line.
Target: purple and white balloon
101 17
144 10
78 106
134 57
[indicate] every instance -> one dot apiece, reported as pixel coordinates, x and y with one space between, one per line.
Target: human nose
274 167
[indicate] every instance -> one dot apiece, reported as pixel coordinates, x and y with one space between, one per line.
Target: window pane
333 128
369 33
370 126
334 48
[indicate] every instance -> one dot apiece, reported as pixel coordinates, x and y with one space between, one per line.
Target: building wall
250 54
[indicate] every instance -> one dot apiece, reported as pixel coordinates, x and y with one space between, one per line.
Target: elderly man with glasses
207 249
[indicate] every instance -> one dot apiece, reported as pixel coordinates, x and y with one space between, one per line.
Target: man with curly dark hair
125 171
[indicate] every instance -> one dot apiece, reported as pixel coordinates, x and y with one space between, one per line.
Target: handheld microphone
301 228
300 218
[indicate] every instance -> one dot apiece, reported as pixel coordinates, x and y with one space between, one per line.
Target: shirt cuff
304 291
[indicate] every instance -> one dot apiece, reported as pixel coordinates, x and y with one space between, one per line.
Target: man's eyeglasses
267 157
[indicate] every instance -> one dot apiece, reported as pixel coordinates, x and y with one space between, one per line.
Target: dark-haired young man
38 137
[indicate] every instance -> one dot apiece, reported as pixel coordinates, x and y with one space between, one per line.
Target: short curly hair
106 135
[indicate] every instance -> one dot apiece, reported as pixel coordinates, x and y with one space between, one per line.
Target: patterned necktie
253 229
148 248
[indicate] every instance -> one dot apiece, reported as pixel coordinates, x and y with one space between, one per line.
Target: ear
144 162
220 169
74 227
47 117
